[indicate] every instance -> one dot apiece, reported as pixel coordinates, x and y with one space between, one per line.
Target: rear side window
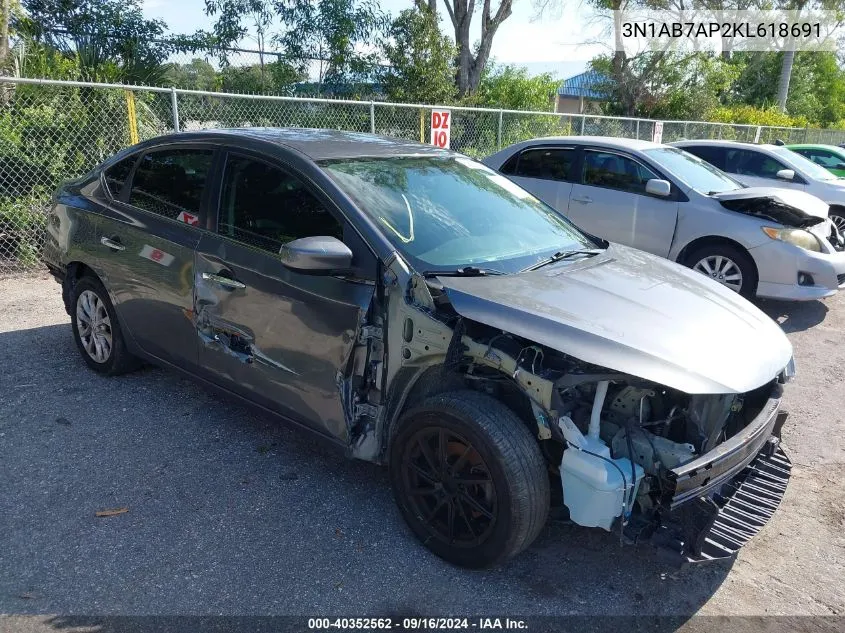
265 207
605 169
170 183
117 174
546 163
713 155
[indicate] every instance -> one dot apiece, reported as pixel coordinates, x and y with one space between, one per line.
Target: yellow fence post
133 119
422 125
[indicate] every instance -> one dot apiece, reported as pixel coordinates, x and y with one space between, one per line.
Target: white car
764 241
773 166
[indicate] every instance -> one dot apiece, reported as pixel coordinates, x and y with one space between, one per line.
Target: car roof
320 144
835 148
718 143
602 141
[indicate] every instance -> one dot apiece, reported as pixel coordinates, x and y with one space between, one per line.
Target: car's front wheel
96 330
837 216
728 265
469 478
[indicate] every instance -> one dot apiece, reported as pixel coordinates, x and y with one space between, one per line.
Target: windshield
698 174
808 167
446 212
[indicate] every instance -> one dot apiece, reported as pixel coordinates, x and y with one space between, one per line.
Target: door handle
583 199
226 282
113 244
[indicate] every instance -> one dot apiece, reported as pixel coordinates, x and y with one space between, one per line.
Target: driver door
275 336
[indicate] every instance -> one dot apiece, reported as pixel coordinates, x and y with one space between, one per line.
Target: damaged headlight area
797 237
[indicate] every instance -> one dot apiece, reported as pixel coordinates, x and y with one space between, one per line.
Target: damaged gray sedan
424 312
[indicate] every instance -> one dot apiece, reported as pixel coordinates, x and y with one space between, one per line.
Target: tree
198 74
230 27
337 34
111 38
512 88
471 63
421 59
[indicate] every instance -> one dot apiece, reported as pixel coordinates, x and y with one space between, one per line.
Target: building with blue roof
581 93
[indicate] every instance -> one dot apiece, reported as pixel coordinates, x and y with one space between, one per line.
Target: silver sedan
763 241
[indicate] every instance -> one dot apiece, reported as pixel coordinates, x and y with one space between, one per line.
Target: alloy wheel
721 269
94 326
449 487
839 223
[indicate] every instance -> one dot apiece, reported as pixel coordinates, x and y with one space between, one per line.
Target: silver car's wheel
839 222
721 269
94 326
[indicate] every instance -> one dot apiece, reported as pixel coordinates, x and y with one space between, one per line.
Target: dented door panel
277 337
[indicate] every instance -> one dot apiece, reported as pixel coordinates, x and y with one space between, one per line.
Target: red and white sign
188 218
156 255
441 128
657 137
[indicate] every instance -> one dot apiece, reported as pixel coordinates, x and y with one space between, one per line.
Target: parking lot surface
231 512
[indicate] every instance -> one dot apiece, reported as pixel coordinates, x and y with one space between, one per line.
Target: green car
830 157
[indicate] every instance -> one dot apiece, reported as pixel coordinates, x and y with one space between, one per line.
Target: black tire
494 467
737 255
118 360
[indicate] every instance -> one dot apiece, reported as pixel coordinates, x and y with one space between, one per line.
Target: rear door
610 201
546 171
147 239
278 337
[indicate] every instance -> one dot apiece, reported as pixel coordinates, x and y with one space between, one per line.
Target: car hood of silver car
635 313
800 202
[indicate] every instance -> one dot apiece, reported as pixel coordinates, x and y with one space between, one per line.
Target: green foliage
196 75
276 77
110 40
421 59
22 224
756 116
513 88
338 33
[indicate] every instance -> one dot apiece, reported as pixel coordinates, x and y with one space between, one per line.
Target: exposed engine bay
623 452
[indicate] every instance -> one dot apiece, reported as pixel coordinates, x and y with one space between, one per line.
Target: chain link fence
51 131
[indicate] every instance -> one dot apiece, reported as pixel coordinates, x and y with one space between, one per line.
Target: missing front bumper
718 526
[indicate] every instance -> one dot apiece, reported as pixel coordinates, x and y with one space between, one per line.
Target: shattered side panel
285 340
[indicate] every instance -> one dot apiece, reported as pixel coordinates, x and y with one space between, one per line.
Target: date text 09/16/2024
417 623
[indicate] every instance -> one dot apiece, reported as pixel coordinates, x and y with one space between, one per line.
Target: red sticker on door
188 218
156 255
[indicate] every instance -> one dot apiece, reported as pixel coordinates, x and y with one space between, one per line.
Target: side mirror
786 174
658 187
837 166
321 255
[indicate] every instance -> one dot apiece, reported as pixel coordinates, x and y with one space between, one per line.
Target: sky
555 44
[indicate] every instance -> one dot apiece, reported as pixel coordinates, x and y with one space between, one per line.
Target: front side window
117 174
170 183
265 207
546 164
444 212
749 163
613 171
820 157
804 165
692 170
